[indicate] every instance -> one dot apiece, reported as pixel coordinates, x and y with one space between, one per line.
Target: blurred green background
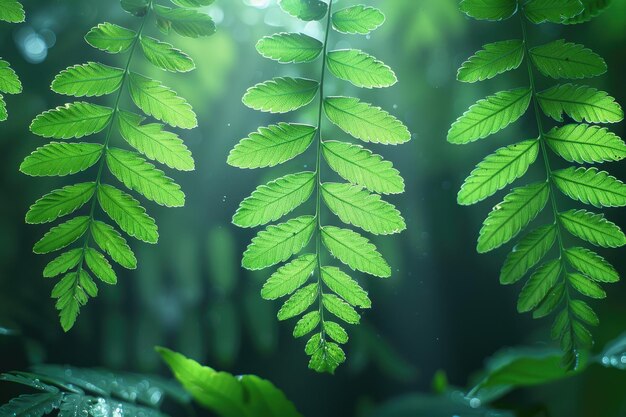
442 309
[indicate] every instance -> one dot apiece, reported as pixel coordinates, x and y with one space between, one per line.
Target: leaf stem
107 138
318 163
546 160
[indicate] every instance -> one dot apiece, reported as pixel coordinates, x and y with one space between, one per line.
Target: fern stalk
549 177
318 174
107 138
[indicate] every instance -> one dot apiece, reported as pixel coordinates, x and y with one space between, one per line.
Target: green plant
553 285
75 392
228 395
10 11
521 367
81 119
309 279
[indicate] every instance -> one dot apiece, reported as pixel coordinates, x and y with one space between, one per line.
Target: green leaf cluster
74 392
555 285
315 291
87 239
11 11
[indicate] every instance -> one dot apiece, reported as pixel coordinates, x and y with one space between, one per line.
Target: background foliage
191 288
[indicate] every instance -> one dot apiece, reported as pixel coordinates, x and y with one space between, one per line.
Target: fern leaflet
11 11
225 394
316 291
149 141
554 285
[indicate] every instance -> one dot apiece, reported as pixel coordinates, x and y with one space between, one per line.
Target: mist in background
443 308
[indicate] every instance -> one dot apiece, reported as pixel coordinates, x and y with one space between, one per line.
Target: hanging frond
554 286
314 290
81 119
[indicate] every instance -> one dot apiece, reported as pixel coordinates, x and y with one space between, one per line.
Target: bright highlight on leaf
94 240
591 9
554 286
88 80
185 22
355 251
11 11
60 159
161 102
494 59
362 209
497 171
74 120
70 391
360 69
272 201
586 144
272 145
581 103
165 56
111 38
366 122
511 216
358 19
314 290
9 81
490 115
360 166
554 11
226 394
306 10
590 186
60 203
281 95
489 9
560 59
289 48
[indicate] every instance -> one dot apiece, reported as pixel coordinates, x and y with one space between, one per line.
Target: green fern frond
554 286
82 119
315 290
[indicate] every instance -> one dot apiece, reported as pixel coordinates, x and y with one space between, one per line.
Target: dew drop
475 403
